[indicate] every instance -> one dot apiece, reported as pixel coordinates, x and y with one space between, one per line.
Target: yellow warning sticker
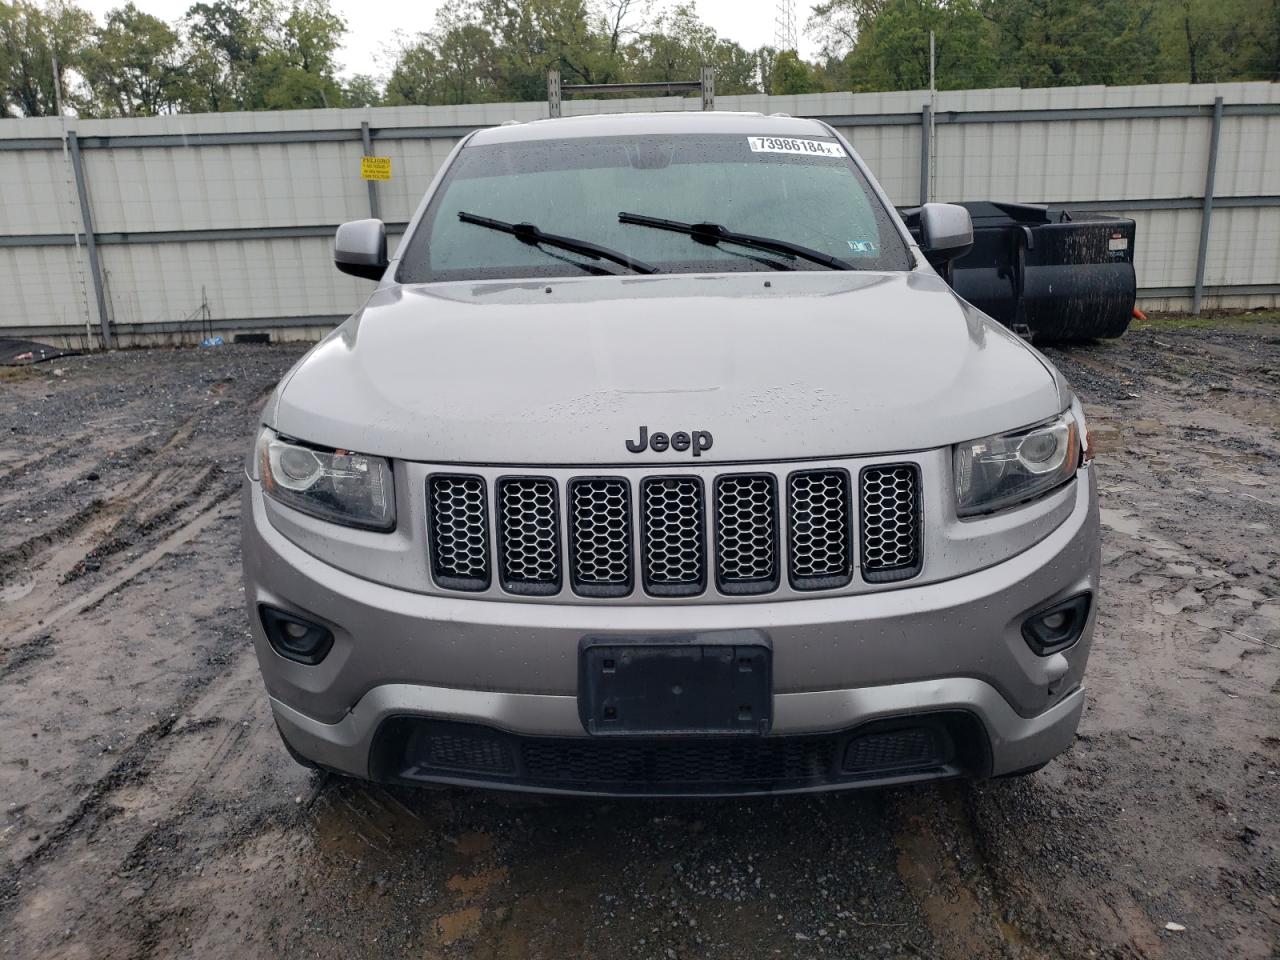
375 168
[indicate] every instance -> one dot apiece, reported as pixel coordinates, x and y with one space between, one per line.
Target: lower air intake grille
937 745
458 520
746 533
529 535
889 503
739 760
821 540
908 748
454 747
600 536
674 536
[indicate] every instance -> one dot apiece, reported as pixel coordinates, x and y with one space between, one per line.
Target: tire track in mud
135 525
115 501
29 466
140 826
940 862
206 512
135 778
155 502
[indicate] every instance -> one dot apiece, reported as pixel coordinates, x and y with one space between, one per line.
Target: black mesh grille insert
889 502
458 520
821 540
899 749
746 514
467 753
710 761
942 744
674 536
600 536
529 535
451 747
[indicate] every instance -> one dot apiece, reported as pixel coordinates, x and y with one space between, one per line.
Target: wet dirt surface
148 809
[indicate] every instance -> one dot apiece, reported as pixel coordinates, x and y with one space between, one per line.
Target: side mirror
360 249
946 231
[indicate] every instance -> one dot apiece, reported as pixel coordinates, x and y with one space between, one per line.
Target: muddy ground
148 810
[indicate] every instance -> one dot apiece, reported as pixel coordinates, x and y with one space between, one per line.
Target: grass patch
13 374
1208 320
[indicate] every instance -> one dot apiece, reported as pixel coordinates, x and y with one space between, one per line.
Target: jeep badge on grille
697 441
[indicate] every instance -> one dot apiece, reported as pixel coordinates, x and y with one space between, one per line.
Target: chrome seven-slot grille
674 517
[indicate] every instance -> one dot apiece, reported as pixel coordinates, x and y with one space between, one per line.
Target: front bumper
952 649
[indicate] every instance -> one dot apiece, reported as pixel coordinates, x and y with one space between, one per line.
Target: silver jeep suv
661 461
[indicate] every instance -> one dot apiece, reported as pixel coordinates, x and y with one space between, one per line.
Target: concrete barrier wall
227 219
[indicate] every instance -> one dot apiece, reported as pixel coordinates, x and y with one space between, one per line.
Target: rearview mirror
360 249
946 231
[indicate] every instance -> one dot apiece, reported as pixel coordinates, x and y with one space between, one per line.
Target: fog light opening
295 638
1057 627
1055 621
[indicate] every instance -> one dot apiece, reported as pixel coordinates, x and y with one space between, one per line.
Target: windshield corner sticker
863 248
815 148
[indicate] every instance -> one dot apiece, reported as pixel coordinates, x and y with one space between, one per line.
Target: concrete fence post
91 245
375 209
1206 211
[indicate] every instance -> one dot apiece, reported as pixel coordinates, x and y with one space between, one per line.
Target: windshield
801 191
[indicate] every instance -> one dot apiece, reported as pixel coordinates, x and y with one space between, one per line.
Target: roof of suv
676 122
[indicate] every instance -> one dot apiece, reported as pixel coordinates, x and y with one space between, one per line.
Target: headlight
335 485
1010 468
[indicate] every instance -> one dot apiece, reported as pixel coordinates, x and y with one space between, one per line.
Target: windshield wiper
713 233
530 234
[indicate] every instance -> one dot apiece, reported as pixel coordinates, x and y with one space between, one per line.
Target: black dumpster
1048 274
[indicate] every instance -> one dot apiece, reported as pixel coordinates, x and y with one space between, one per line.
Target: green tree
33 39
884 44
790 74
415 78
453 63
362 90
298 69
261 55
226 41
1202 41
676 46
1051 43
532 36
133 67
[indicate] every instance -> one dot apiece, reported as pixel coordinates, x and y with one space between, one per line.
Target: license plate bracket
720 685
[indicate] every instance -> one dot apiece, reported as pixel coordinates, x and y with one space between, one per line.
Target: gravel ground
148 809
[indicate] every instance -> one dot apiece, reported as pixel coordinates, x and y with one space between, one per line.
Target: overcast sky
371 26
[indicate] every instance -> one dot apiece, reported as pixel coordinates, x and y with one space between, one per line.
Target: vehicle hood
779 366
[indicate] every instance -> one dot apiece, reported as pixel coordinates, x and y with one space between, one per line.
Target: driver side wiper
530 234
713 233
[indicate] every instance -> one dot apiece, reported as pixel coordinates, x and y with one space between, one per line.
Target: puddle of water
1120 521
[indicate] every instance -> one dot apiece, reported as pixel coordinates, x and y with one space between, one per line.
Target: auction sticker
815 148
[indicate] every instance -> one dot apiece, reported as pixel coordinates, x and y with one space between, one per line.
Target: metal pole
925 123
1206 214
933 100
86 218
708 88
553 93
375 210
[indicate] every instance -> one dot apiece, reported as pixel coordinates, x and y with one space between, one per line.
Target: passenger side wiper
530 234
713 233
